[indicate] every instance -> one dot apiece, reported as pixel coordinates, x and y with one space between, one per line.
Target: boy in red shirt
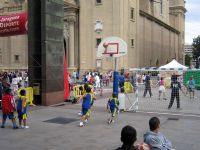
8 108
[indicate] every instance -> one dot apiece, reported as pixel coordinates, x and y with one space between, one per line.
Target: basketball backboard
112 47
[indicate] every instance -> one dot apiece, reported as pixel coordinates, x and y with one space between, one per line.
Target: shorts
9 115
22 116
85 112
191 89
113 112
161 89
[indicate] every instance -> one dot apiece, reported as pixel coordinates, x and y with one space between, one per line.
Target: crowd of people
91 77
154 140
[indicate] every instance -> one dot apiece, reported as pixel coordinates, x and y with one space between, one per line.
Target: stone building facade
152 29
13 49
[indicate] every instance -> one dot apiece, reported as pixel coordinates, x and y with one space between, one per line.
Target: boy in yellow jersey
22 109
113 104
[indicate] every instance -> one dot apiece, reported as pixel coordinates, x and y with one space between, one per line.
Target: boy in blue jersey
113 104
22 109
86 105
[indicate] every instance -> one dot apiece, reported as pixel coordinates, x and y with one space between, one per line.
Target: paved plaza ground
56 127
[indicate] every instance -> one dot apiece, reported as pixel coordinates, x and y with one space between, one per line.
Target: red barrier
15 24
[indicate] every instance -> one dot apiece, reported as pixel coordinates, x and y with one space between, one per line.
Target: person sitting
128 138
154 138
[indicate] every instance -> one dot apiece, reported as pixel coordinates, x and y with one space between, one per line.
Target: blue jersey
87 100
19 105
113 103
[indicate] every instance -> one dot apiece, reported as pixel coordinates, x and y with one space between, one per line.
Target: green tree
187 60
196 49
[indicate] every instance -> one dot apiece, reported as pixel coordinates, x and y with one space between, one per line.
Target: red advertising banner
66 83
15 24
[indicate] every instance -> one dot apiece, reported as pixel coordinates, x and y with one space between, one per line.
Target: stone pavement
181 127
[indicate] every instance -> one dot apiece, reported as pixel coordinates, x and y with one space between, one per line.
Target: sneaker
118 112
109 121
16 127
81 124
80 113
85 122
26 127
2 126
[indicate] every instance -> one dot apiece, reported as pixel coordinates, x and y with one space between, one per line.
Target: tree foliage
196 47
187 60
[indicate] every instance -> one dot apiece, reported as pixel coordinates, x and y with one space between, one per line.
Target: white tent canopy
173 65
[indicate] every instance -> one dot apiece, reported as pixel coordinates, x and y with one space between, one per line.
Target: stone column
71 18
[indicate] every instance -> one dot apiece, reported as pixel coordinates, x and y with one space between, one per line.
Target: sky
192 23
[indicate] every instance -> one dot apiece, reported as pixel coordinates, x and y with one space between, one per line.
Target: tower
177 20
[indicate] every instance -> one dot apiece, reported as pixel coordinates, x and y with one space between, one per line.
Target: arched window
161 6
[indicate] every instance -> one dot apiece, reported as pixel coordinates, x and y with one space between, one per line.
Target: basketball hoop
112 47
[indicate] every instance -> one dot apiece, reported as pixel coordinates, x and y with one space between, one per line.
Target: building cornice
69 4
150 17
178 7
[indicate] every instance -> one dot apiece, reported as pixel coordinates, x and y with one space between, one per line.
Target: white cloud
192 30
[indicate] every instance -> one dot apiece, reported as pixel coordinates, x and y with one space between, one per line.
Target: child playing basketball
113 104
86 105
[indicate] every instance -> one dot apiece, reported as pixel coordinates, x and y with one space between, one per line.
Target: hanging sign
15 24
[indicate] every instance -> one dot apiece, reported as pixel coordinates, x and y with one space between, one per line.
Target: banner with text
15 24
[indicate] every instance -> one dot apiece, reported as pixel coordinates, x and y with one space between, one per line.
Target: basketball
105 45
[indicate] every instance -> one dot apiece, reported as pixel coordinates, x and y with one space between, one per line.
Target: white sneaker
21 127
81 124
26 127
118 112
80 113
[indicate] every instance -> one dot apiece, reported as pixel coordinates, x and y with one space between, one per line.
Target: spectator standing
191 87
121 82
154 138
15 82
74 76
97 82
161 89
175 86
1 91
22 110
8 108
147 86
